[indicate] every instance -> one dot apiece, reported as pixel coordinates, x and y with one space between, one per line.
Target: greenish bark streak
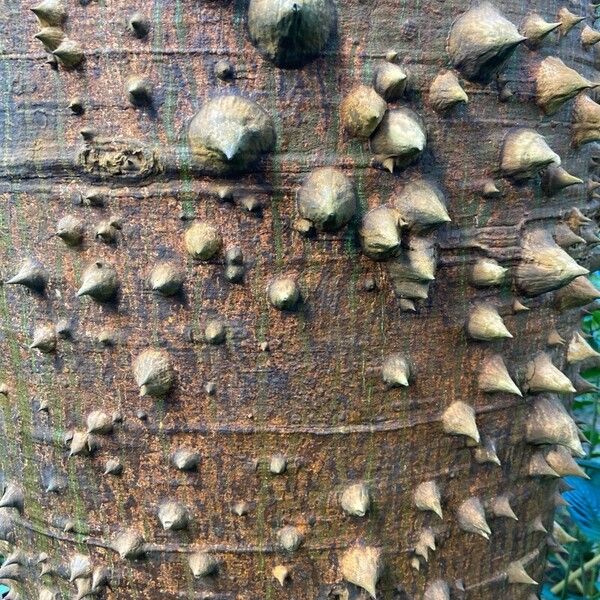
187 197
260 528
9 446
261 401
180 31
27 451
239 19
28 476
165 447
263 320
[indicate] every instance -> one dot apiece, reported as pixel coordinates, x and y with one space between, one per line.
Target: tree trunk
227 374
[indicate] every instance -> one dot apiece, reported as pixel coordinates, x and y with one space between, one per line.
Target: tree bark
268 423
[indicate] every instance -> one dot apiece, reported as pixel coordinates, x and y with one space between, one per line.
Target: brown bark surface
316 395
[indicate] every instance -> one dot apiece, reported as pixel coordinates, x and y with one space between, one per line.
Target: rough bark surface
305 383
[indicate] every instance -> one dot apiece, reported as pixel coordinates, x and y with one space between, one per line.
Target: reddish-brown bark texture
316 395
